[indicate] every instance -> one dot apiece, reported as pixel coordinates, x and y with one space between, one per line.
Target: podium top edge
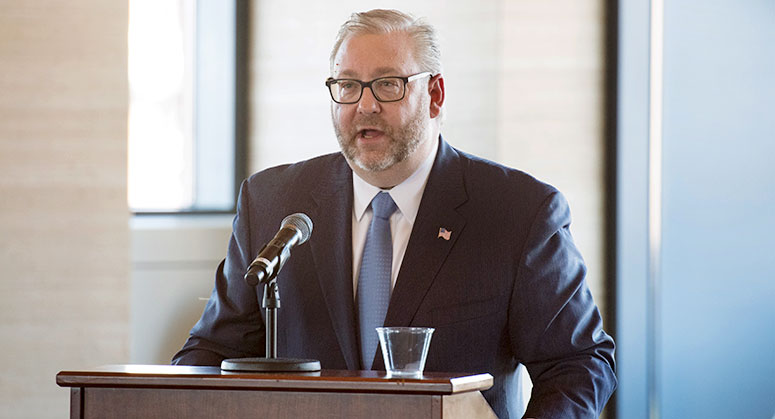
177 376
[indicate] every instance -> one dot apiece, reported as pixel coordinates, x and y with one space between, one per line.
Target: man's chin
370 161
373 165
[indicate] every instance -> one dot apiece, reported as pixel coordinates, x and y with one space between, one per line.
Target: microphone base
270 365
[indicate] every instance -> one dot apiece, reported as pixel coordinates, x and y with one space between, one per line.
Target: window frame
220 81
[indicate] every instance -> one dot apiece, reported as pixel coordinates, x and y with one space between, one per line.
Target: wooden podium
164 391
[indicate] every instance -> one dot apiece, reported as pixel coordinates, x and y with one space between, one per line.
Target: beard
403 141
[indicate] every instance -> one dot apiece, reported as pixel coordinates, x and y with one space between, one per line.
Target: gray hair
380 21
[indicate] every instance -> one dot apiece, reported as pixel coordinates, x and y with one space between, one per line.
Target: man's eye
347 85
389 83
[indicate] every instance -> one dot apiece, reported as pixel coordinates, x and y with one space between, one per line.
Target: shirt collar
407 194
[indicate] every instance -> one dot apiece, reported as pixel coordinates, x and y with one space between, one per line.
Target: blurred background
126 127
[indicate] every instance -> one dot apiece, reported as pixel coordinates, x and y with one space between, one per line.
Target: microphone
294 230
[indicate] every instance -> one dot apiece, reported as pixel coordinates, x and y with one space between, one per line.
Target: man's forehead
377 72
374 55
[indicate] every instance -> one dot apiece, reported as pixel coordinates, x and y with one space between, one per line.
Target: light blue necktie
374 276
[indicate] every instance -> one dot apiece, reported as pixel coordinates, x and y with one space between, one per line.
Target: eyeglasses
385 89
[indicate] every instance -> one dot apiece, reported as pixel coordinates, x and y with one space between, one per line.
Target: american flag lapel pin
444 233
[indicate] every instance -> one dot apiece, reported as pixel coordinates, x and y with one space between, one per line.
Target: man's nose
368 103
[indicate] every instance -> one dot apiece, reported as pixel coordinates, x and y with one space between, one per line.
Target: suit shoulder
494 178
296 174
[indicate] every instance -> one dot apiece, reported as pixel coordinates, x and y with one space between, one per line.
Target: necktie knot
383 205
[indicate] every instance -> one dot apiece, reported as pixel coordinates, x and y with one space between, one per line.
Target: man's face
376 136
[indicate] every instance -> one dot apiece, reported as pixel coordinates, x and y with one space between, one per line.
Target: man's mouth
370 133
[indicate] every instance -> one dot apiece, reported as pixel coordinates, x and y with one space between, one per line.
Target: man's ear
436 90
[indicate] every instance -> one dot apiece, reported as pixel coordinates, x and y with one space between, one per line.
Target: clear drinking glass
405 349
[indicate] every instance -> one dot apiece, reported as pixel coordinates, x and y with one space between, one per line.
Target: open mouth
370 133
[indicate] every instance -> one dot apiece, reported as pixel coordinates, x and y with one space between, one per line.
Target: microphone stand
271 303
271 363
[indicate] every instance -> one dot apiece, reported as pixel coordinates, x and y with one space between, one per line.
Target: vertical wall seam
653 308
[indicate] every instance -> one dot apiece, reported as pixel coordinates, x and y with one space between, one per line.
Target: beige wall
524 84
173 266
63 214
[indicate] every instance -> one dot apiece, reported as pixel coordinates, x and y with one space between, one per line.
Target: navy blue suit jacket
508 286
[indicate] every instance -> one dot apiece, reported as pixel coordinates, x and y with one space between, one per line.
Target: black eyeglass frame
331 81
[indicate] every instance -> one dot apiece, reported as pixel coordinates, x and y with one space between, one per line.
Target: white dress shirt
407 196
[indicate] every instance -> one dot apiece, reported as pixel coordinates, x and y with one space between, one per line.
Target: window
184 60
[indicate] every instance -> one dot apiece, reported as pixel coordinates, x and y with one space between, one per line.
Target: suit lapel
426 251
331 247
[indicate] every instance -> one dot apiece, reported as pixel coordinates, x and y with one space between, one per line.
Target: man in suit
480 252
